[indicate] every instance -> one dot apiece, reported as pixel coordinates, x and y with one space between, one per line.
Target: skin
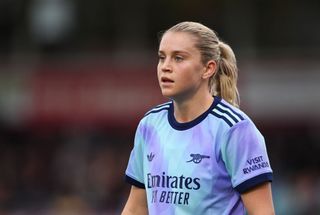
184 78
137 202
258 200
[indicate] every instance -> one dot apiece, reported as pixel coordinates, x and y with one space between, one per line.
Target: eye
161 57
178 58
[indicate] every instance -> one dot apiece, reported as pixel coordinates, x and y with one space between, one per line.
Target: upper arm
246 159
137 202
245 156
258 200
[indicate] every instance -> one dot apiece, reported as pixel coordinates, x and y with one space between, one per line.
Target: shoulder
156 112
154 117
235 121
228 114
157 109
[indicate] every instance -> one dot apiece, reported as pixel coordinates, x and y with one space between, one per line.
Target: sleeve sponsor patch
254 164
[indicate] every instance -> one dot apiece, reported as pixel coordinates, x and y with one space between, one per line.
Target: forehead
177 41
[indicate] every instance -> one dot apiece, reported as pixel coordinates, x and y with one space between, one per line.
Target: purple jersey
198 167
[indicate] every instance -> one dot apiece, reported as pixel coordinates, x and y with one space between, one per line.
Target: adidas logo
150 157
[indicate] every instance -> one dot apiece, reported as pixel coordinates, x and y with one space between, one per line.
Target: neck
188 110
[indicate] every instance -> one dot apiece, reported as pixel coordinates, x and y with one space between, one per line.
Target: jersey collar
186 125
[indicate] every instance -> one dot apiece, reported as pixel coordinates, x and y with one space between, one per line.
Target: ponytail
224 82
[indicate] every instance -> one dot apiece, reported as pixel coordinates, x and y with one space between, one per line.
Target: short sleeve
134 171
245 156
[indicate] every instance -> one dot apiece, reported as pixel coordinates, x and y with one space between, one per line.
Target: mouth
166 80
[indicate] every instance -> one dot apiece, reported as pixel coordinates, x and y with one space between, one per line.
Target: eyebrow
175 52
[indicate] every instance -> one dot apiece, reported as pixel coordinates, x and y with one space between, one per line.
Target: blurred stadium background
76 76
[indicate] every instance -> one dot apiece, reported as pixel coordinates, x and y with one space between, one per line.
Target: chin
167 93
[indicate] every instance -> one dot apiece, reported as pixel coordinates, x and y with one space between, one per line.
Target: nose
165 65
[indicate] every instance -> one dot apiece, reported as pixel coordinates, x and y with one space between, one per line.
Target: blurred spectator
51 22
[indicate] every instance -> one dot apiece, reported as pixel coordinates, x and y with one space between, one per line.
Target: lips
166 80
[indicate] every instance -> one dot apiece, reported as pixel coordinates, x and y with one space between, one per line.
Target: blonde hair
224 82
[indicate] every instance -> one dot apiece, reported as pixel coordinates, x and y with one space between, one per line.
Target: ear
210 69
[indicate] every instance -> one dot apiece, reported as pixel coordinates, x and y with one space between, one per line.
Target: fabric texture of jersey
199 167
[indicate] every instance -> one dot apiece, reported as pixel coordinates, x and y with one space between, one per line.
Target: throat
187 112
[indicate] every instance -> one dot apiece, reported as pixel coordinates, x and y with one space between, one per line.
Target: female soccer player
198 154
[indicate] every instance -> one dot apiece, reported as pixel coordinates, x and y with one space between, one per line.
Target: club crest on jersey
197 158
150 157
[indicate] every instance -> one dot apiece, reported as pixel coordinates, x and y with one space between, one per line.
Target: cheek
192 73
158 73
199 71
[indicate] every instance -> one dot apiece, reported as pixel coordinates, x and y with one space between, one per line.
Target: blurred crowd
62 172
